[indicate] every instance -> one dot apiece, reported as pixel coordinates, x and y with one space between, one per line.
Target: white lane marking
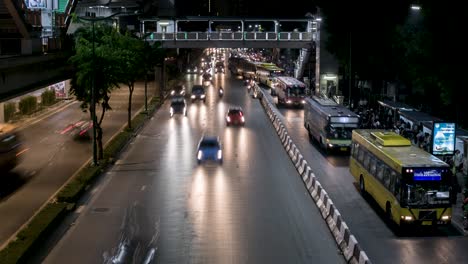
143 188
79 209
93 191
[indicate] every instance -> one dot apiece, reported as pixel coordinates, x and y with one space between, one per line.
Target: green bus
329 123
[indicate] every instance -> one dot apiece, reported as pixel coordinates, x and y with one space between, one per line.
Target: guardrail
230 36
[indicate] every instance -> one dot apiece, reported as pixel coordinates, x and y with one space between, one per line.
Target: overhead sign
34 4
443 138
427 175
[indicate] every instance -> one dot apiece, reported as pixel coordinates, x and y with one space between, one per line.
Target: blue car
209 148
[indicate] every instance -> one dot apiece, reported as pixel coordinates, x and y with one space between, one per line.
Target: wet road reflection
250 209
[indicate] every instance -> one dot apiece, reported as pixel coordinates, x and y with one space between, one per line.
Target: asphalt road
52 157
156 199
382 241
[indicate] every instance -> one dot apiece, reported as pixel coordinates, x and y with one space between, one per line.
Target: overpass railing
232 36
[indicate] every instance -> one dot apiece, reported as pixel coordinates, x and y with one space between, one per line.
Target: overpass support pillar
158 81
31 46
2 112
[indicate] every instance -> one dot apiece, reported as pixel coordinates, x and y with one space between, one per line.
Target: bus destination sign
427 175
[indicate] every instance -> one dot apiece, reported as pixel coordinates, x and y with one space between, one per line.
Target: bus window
354 149
361 155
373 166
296 91
332 132
379 171
396 191
386 177
366 161
391 177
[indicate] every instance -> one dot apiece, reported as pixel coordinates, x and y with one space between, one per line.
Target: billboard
33 4
443 138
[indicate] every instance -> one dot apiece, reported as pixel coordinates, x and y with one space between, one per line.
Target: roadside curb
347 242
45 114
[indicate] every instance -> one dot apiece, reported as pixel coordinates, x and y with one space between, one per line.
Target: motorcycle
220 92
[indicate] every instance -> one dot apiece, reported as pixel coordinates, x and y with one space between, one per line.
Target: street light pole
93 102
350 71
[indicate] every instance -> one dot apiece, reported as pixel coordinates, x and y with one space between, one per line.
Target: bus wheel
388 211
362 186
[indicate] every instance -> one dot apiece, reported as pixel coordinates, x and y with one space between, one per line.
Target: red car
235 116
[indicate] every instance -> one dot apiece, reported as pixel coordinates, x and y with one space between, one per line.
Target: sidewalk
457 211
24 122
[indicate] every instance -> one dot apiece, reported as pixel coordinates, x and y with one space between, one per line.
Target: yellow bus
409 184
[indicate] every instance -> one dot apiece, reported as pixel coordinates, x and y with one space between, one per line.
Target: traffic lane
52 158
381 240
245 211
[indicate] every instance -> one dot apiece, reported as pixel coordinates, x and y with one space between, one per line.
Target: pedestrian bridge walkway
242 36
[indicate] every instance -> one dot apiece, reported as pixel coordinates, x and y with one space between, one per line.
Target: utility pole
350 71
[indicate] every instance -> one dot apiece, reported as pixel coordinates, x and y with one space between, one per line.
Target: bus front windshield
339 131
296 91
425 194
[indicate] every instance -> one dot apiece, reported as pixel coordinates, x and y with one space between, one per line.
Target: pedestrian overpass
168 32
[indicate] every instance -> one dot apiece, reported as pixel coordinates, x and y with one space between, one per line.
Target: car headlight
228 119
330 145
303 101
445 217
200 155
407 218
220 154
172 92
202 96
171 110
185 110
288 101
193 96
211 78
242 119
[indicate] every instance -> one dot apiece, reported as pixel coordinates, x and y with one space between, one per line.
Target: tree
369 29
131 58
102 69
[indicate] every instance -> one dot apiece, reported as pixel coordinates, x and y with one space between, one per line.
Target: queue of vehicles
409 184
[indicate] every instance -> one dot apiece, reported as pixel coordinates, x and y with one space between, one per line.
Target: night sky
250 8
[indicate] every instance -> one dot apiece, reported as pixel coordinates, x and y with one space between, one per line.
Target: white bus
329 123
290 91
